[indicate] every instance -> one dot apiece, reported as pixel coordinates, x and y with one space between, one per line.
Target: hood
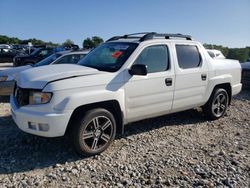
37 78
12 72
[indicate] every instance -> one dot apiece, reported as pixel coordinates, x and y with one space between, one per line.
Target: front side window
156 58
43 52
188 56
109 56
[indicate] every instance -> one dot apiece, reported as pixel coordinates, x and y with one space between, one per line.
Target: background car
246 74
5 46
64 57
37 55
7 54
216 54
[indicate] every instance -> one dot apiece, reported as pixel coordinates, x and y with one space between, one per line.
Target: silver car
64 57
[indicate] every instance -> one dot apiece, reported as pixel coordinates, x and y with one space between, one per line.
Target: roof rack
150 35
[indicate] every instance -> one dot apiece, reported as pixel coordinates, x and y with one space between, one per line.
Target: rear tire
94 132
217 104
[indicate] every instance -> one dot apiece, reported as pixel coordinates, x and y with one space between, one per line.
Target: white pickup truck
126 79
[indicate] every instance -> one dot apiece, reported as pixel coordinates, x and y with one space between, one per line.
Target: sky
222 22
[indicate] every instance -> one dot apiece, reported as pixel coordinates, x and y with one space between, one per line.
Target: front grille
21 95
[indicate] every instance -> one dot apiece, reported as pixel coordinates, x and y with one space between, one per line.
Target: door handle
168 81
203 77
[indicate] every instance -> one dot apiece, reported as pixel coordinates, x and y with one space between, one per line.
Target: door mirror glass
138 69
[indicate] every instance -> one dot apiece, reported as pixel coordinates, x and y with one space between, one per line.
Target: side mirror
138 69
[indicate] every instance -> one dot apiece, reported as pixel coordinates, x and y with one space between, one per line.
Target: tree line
14 40
241 54
88 43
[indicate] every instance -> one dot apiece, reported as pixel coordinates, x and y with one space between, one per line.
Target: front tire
217 105
94 132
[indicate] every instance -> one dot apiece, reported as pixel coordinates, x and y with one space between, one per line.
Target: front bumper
6 88
31 121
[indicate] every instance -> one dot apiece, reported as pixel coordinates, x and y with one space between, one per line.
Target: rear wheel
93 133
217 105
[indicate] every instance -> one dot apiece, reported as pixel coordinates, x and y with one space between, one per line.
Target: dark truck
6 55
246 74
30 59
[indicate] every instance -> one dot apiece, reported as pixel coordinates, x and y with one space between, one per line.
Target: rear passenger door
191 76
150 95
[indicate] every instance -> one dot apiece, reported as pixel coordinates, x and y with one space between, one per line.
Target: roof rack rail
149 36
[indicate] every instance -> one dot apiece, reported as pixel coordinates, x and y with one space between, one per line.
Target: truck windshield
48 60
109 56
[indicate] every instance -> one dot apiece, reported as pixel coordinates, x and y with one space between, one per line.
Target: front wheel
93 133
217 105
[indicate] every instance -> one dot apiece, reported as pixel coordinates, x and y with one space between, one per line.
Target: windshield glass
109 56
47 60
35 51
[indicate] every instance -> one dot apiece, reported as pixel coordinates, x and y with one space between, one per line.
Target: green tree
97 41
240 54
93 42
223 49
88 43
14 40
68 42
4 39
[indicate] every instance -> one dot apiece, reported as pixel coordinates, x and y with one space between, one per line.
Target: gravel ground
178 150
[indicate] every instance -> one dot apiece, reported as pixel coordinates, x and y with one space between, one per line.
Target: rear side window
188 56
155 57
211 54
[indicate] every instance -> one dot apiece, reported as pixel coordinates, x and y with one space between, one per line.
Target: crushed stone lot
177 150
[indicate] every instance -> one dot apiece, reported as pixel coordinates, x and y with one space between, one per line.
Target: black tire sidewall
80 126
208 107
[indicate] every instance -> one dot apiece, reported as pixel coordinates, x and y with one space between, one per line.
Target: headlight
3 78
37 97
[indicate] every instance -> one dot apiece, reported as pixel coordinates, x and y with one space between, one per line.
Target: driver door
150 95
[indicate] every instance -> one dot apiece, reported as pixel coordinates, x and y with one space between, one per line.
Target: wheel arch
227 86
111 105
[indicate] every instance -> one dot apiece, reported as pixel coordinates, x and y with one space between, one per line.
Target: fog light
43 127
32 125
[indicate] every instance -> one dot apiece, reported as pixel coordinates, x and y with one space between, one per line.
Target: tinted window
188 56
109 56
34 51
44 52
155 57
211 54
